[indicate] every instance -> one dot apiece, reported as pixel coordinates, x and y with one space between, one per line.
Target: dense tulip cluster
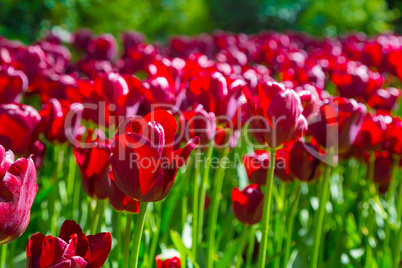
320 115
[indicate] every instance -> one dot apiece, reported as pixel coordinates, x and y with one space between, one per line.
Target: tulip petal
100 245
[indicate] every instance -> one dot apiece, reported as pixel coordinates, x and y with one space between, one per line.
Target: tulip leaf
184 251
230 253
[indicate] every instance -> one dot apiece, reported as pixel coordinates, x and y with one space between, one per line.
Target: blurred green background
28 19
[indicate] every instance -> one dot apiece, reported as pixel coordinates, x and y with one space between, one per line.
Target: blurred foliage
158 19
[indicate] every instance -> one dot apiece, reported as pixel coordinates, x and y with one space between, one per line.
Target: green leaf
184 251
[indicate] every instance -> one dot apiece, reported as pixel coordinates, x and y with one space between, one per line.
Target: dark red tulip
20 127
81 39
393 136
277 113
282 164
303 165
17 192
309 99
198 122
38 151
71 249
144 163
103 47
61 120
372 133
167 263
256 165
248 204
384 99
338 123
119 200
94 165
13 84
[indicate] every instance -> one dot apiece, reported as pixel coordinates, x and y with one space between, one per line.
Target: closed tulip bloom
102 48
384 99
256 165
144 163
17 192
372 133
81 39
94 166
119 200
393 136
338 123
277 113
303 165
167 263
72 248
13 84
61 120
20 127
248 204
198 122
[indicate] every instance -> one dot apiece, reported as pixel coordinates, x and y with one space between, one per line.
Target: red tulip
256 165
303 165
372 133
277 113
17 192
384 99
71 249
393 136
248 204
167 263
198 122
60 120
102 48
119 200
338 123
94 165
13 84
144 163
20 127
81 39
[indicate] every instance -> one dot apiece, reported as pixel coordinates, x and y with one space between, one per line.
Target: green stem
320 219
371 214
71 179
196 191
157 230
243 242
390 196
397 246
127 236
96 217
250 249
212 221
290 223
280 219
204 186
3 255
139 226
262 256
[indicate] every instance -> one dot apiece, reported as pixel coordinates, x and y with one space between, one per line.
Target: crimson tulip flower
20 127
338 123
384 99
144 163
72 248
13 83
256 165
119 200
248 204
61 120
103 47
198 122
94 165
81 39
277 113
393 137
167 263
17 192
372 133
303 165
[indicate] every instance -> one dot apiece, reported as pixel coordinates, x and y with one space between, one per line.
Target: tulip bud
167 263
17 192
248 204
13 84
372 133
303 165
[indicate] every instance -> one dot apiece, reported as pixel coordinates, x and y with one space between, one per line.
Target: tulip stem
321 215
204 186
127 236
250 249
195 205
269 184
279 222
371 214
212 221
242 245
397 246
96 216
3 255
290 223
139 226
390 196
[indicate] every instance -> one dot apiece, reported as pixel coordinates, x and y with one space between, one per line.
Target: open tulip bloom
225 150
